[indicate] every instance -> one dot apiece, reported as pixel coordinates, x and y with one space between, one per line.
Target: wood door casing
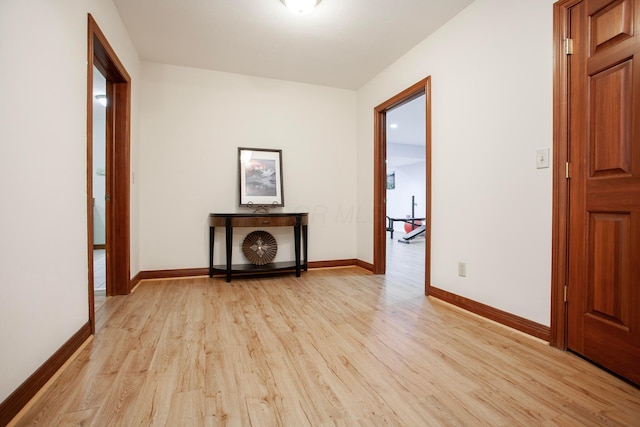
118 118
603 288
380 175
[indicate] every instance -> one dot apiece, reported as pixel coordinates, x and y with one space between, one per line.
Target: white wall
193 122
491 69
43 217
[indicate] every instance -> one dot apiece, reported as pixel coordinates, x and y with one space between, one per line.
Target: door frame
380 175
561 172
118 124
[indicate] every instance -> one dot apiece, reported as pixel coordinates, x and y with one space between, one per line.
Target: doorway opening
420 93
99 187
116 171
405 197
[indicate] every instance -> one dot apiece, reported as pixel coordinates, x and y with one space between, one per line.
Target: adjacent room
370 212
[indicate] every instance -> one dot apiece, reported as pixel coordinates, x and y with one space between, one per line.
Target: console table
299 222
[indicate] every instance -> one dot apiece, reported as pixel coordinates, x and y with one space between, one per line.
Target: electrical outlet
462 269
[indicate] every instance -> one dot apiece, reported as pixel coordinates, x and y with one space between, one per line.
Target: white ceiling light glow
102 99
301 7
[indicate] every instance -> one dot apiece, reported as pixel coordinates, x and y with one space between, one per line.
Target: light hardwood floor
99 277
334 347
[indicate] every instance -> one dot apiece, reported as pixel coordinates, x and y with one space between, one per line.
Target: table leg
296 238
305 261
211 237
229 236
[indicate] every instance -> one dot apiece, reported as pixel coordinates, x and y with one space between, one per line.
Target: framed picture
391 181
260 177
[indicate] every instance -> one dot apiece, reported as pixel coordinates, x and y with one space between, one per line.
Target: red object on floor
407 226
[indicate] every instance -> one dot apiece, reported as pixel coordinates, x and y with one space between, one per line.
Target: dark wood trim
559 257
102 55
519 323
365 265
380 174
89 173
134 281
98 247
427 184
120 196
170 274
10 407
379 190
109 186
193 272
334 263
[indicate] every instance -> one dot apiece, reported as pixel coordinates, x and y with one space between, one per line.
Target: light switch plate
542 158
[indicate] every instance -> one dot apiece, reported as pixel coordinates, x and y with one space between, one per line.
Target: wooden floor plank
334 347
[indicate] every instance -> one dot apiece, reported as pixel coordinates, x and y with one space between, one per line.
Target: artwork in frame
391 181
260 178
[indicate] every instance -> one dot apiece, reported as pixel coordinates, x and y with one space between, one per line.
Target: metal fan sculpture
260 247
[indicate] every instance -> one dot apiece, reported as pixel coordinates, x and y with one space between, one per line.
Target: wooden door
603 290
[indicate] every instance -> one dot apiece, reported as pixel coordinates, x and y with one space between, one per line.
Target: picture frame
260 177
391 181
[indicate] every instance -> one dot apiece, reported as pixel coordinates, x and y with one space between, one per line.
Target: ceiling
406 123
343 43
406 137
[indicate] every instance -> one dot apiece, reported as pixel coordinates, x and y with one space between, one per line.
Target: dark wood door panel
613 347
611 22
604 203
610 128
609 268
622 198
